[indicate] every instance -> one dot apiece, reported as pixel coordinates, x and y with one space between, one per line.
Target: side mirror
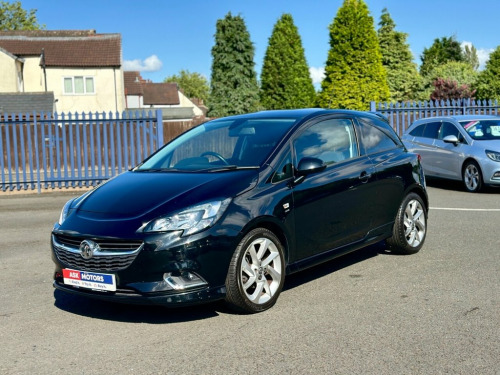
310 165
451 139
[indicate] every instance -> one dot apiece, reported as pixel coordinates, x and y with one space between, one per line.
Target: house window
79 85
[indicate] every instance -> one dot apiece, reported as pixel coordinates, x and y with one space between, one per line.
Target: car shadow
104 310
454 185
335 265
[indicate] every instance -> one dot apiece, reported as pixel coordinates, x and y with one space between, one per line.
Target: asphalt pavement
370 312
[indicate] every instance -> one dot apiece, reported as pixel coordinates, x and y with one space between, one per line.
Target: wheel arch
471 159
420 191
272 224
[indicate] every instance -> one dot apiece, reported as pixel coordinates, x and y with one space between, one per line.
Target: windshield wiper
223 168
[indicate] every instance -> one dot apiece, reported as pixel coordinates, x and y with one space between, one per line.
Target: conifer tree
442 51
470 56
285 79
234 88
488 83
403 78
354 74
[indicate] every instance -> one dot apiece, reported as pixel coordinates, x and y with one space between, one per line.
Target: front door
331 206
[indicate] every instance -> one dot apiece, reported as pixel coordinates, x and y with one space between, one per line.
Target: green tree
354 74
442 51
461 72
193 85
403 78
234 88
285 78
488 83
14 17
470 56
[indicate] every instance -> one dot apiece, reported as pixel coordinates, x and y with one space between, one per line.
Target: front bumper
140 267
171 299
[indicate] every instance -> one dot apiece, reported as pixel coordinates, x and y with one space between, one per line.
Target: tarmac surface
370 312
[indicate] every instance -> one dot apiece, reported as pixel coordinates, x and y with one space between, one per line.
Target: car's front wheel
472 177
410 227
256 272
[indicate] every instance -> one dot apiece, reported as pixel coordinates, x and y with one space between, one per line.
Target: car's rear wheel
256 272
410 227
473 180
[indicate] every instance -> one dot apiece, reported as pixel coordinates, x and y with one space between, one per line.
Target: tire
410 226
472 177
256 273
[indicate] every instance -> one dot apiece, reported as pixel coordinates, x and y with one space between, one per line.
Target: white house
82 69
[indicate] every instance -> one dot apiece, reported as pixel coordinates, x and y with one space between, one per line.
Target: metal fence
41 151
401 115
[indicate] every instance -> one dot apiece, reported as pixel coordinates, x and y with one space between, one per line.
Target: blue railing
401 115
43 151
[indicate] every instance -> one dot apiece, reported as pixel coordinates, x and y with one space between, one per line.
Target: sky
162 37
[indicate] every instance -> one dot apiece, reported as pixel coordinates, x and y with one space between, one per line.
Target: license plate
89 280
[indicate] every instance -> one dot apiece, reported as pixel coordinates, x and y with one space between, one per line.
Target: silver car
463 148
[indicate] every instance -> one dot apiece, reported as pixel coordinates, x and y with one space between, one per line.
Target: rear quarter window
376 137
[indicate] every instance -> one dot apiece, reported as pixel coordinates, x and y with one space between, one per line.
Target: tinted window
418 131
448 129
432 130
330 140
374 139
284 170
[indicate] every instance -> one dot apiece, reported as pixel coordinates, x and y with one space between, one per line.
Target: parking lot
370 312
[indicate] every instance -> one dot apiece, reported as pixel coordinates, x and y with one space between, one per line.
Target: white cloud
150 64
483 54
317 74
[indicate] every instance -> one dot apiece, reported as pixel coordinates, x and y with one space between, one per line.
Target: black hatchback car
230 207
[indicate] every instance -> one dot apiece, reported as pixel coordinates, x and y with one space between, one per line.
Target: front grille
114 255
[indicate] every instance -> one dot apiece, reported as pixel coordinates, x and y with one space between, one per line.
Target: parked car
462 147
230 207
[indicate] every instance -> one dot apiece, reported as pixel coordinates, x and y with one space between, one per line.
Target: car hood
142 194
493 145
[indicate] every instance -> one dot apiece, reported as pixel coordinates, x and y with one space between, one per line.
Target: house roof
161 93
20 102
133 83
65 48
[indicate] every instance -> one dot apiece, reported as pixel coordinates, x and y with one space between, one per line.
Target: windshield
228 143
482 129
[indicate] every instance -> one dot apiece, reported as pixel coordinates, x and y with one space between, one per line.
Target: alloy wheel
261 271
414 223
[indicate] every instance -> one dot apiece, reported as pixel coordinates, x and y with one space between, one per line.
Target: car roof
302 114
458 118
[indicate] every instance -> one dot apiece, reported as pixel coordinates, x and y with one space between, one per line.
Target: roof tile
65 48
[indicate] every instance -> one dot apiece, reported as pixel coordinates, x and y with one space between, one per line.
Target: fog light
496 175
184 281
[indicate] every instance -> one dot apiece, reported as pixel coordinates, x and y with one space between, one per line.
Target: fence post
373 107
159 128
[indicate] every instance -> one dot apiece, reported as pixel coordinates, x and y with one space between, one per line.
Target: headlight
191 220
65 212
493 155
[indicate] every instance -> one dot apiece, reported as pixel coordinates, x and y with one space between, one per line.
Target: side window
373 139
284 170
432 130
331 140
448 129
418 131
